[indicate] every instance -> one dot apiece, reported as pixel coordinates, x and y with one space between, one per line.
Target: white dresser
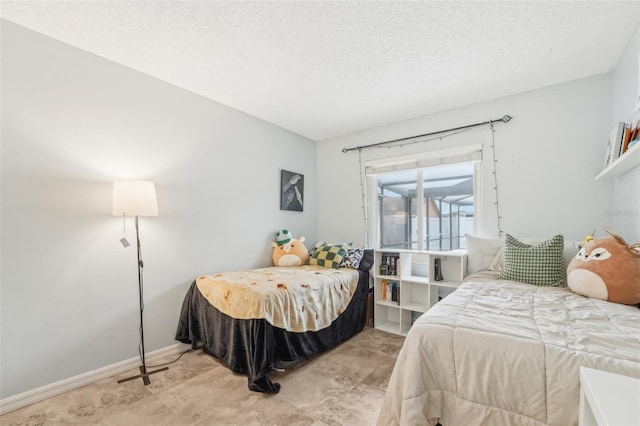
608 399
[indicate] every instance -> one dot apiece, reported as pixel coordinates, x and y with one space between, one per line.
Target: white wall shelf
622 164
419 291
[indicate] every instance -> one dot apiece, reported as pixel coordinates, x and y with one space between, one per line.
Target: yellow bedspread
299 298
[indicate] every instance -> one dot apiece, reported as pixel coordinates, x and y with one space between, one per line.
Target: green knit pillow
540 264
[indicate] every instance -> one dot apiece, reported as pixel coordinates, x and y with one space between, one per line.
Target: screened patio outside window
430 208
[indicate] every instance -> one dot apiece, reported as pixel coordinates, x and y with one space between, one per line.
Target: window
425 208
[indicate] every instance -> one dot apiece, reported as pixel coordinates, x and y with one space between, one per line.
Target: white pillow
481 252
497 264
571 248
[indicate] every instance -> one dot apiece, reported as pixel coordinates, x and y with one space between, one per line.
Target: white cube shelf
414 275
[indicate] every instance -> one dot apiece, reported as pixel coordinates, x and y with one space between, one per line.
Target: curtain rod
504 119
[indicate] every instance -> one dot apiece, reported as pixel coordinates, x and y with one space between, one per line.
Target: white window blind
463 154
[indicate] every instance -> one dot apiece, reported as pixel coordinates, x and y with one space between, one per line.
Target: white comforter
506 353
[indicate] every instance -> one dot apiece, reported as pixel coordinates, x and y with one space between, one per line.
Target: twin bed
505 352
261 319
499 352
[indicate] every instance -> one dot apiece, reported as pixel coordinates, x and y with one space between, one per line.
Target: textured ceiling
323 69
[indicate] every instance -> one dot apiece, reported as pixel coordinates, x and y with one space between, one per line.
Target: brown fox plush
607 268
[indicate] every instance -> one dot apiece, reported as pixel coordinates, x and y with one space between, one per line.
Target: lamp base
144 374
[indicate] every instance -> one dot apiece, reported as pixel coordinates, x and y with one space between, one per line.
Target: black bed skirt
254 347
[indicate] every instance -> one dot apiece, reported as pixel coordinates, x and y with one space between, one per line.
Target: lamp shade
134 198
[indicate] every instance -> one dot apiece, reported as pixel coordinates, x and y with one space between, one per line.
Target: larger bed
498 352
261 336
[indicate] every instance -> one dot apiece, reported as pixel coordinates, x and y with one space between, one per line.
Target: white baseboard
36 395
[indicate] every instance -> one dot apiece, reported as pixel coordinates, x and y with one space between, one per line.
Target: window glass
396 209
431 208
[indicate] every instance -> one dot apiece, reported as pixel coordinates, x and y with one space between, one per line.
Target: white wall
71 123
626 203
547 158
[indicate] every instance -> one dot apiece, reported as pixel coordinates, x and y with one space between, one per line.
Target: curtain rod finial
344 150
506 118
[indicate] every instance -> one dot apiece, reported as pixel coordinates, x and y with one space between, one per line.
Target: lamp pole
144 374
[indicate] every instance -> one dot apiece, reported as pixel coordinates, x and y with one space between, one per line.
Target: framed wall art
291 191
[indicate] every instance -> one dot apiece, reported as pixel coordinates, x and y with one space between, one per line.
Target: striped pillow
540 264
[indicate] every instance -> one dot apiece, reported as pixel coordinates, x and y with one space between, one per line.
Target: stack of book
623 137
391 291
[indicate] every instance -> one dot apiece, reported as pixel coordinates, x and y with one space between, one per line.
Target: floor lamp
136 198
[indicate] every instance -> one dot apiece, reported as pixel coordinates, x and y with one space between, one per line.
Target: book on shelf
626 138
390 290
394 291
634 137
607 154
616 140
437 269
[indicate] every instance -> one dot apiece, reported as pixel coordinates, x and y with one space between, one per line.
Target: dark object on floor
369 321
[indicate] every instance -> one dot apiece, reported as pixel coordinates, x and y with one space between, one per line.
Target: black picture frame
291 191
